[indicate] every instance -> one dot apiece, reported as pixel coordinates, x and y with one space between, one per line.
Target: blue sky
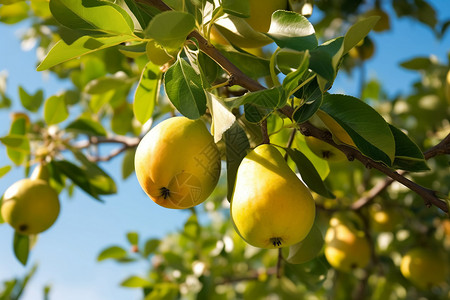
67 253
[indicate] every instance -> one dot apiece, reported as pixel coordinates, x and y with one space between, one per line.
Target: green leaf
63 52
18 141
135 282
31 102
268 98
21 246
236 143
100 181
236 8
309 173
113 252
366 127
150 246
164 291
15 141
87 126
325 58
133 238
170 28
122 118
307 249
128 163
78 177
147 92
291 30
407 154
192 228
253 66
312 99
358 31
254 113
184 89
94 16
14 13
55 110
291 81
418 64
105 84
4 170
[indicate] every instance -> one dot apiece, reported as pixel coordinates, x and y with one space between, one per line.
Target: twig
443 147
264 132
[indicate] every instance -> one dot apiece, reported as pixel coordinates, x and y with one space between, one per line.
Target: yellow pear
346 248
424 267
270 206
30 206
324 150
177 163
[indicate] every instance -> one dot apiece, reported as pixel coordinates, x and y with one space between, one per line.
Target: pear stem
279 262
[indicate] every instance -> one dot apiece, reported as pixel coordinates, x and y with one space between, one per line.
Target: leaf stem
273 75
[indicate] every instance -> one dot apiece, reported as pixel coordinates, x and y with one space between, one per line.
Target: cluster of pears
31 205
178 165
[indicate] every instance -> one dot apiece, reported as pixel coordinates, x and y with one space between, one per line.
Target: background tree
116 56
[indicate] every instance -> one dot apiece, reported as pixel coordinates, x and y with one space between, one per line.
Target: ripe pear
177 163
270 206
424 267
324 150
30 206
346 247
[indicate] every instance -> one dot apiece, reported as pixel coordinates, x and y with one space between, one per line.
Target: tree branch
443 147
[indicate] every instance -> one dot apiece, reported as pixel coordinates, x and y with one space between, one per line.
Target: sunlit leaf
63 52
113 252
29 101
222 118
93 16
135 282
291 30
170 28
55 110
147 93
183 86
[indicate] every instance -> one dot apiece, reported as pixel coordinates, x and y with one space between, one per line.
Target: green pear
270 206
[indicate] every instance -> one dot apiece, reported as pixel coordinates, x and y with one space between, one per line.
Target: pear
346 247
270 206
30 206
425 267
177 163
324 150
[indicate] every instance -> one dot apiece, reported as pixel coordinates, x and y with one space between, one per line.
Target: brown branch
443 147
127 143
440 149
264 132
239 78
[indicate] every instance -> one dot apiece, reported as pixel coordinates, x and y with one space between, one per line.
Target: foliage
119 90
